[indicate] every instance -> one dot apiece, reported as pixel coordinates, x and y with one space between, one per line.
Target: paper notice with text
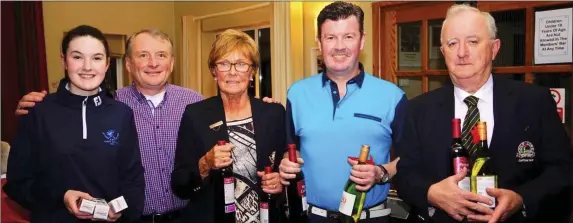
553 36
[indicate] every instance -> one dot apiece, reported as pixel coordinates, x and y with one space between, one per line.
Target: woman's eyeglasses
239 66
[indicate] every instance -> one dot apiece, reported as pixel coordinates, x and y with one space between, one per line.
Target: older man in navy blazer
529 148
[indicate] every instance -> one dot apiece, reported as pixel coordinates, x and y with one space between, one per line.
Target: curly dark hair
340 10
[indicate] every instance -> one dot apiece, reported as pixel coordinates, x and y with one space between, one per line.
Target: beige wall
196 9
367 55
212 26
208 85
110 17
297 44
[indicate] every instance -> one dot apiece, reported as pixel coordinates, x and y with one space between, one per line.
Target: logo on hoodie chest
97 101
111 137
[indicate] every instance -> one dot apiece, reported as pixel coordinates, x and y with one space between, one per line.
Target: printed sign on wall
553 36
559 97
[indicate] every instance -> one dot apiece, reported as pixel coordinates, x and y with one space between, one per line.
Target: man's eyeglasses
239 66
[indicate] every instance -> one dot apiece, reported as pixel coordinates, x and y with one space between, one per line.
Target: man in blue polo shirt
330 115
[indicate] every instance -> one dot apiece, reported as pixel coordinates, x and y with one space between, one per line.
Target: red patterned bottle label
230 208
460 163
302 193
301 188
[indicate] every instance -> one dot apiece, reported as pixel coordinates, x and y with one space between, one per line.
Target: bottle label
230 208
460 163
304 204
465 184
264 213
301 188
347 203
229 188
483 182
287 205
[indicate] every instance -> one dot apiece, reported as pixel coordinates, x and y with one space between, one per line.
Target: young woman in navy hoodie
78 142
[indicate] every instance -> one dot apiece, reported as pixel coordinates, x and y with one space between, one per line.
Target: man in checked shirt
157 107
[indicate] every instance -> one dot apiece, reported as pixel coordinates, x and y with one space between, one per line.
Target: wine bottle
265 200
228 191
482 174
296 193
352 200
460 156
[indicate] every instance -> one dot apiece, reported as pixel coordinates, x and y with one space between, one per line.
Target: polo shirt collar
358 79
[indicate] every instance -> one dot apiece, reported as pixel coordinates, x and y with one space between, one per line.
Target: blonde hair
232 40
156 33
458 8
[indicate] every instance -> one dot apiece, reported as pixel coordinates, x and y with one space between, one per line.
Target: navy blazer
522 112
196 138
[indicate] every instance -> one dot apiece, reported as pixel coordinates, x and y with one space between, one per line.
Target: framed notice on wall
553 36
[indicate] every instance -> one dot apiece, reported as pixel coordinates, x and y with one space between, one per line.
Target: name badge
215 126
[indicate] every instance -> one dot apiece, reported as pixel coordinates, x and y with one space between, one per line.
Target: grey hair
156 33
458 8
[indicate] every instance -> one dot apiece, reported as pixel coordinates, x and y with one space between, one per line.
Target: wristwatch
384 177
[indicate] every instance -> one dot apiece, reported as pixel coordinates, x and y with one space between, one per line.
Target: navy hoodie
71 142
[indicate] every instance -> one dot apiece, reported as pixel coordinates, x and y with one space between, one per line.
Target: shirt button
334 92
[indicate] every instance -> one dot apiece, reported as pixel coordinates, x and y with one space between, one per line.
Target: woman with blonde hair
254 132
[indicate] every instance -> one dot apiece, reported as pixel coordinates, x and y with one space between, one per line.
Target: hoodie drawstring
84 123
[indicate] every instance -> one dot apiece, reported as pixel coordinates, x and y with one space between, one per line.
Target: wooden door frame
385 47
385 39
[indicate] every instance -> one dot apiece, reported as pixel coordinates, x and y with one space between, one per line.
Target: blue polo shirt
329 129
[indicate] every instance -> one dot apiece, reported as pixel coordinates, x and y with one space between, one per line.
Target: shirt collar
66 97
358 79
160 95
141 98
483 94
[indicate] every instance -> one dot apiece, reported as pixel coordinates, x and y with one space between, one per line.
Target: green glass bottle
482 176
352 200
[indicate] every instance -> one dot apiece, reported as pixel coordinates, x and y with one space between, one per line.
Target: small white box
101 209
118 204
87 206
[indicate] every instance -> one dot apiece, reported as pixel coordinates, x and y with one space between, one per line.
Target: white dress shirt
485 105
154 100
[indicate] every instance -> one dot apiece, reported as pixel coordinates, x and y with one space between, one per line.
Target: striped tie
471 119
